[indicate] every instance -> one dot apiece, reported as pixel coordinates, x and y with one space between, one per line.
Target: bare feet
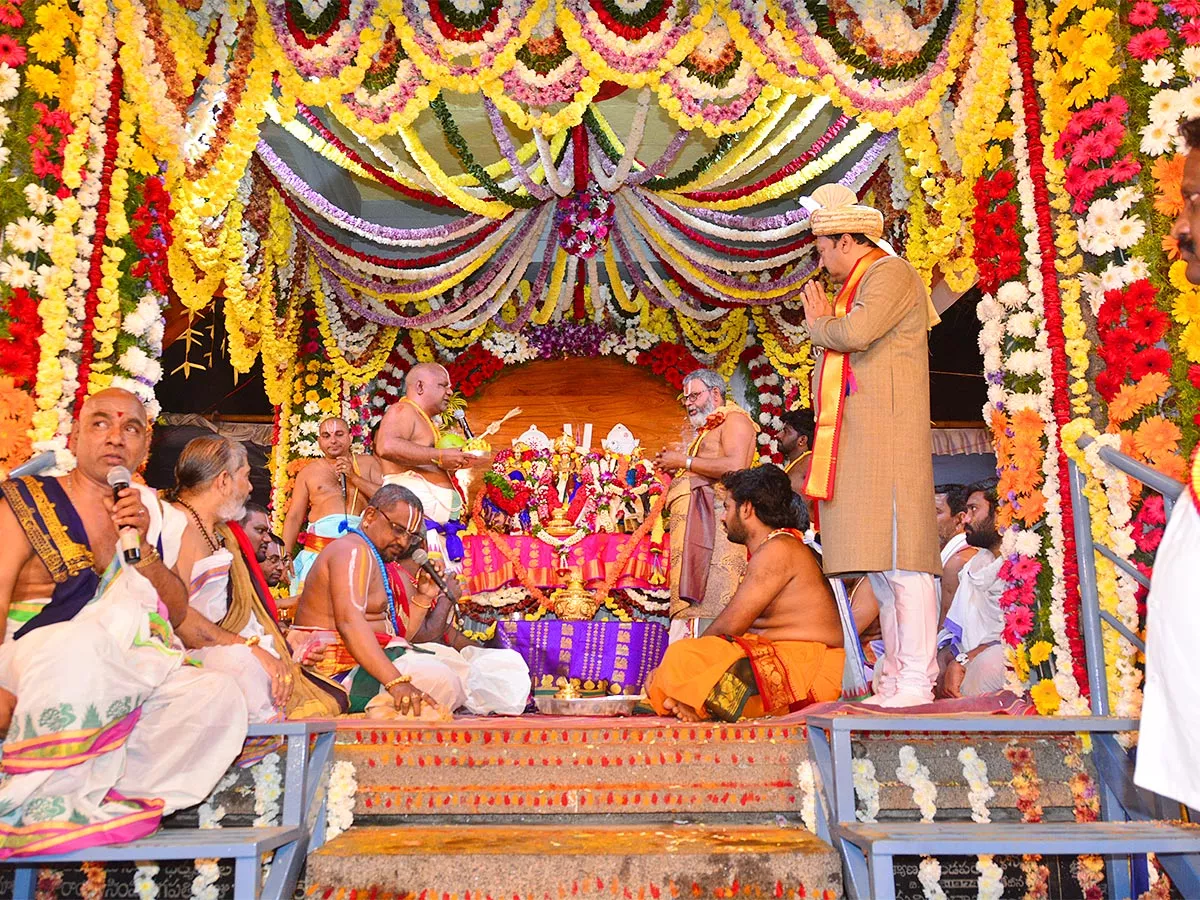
681 711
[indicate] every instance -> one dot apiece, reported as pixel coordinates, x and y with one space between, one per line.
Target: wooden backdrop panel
602 391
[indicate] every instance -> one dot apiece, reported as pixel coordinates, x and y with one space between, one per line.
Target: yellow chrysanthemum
1045 697
1040 652
45 45
41 81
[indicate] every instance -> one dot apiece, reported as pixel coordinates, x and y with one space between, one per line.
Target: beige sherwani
885 455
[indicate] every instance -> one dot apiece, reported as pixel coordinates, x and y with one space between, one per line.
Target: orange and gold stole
830 393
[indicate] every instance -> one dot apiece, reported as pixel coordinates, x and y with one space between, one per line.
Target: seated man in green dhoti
777 646
106 730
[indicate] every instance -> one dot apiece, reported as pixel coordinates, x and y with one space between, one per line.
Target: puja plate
617 705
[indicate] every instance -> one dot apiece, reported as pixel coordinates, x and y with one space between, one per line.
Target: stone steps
483 768
553 862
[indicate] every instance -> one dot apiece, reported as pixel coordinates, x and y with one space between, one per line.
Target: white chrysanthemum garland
808 795
144 884
1072 702
211 812
915 774
1108 495
339 799
866 788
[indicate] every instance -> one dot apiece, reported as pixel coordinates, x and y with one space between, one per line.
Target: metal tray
617 705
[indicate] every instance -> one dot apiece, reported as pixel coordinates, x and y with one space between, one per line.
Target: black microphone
421 558
118 480
460 417
343 478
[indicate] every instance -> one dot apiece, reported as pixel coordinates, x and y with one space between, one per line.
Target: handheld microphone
421 558
460 417
343 480
119 479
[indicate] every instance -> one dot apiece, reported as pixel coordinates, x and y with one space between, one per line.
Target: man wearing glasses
705 566
356 614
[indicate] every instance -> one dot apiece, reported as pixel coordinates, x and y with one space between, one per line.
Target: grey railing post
1089 600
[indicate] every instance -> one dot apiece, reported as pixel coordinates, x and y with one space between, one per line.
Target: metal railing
1091 615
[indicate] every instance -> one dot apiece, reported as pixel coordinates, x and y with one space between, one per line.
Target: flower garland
929 874
143 881
1089 868
866 789
913 773
268 788
806 781
339 801
1107 493
1027 787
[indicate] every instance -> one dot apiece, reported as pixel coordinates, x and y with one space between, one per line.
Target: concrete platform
545 862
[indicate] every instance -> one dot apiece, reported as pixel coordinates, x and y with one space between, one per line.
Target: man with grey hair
229 626
705 566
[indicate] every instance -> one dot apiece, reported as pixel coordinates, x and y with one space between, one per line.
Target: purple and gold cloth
621 653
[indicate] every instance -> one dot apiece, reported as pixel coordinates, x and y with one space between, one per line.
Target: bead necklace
213 545
387 582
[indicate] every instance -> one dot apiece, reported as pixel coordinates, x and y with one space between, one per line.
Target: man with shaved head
106 728
407 446
330 493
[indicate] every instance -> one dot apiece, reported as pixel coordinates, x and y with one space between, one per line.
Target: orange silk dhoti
747 677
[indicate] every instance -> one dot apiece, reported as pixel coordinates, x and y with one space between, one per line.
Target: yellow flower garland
597 66
730 331
1109 505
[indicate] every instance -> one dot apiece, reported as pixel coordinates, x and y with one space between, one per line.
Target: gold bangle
399 679
150 558
253 640
413 602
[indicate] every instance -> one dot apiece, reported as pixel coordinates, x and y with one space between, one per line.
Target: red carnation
1191 32
1188 8
1194 375
10 16
1149 44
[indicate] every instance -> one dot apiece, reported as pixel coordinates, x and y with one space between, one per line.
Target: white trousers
908 617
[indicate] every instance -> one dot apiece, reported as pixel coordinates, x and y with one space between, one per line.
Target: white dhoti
208 594
319 535
441 505
1169 743
111 731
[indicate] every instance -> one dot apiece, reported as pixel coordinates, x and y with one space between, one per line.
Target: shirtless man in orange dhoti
777 646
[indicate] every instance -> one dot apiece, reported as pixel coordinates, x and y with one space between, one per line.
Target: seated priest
106 728
777 646
231 624
368 609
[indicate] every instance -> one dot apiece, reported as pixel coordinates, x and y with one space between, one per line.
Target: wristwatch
962 659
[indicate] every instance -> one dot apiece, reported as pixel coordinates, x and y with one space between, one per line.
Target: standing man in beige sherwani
872 463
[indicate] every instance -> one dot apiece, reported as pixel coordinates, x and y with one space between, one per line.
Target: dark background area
956 386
